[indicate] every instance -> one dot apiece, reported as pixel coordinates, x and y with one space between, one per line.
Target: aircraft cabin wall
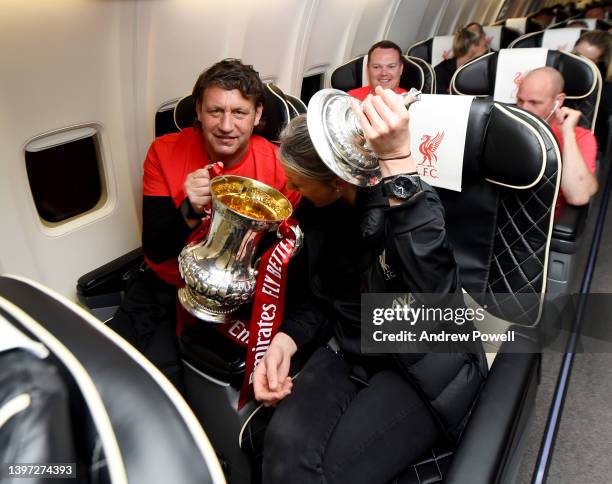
82 81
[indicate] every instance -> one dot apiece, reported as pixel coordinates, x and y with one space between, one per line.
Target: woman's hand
271 381
384 120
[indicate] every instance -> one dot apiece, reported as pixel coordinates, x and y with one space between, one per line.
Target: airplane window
310 85
65 174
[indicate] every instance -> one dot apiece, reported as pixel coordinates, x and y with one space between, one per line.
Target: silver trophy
338 138
219 271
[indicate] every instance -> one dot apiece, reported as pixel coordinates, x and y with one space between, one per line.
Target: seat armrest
568 228
103 286
492 434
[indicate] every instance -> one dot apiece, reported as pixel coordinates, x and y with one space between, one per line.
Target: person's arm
301 324
577 181
165 227
417 224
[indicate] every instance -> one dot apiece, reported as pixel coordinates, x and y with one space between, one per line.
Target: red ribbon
269 303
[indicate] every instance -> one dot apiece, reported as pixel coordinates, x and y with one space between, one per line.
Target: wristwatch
402 187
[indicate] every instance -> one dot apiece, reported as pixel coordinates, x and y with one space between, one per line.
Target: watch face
403 187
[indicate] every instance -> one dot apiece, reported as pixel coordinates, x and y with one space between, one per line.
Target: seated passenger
544 17
351 416
385 69
469 42
229 102
596 45
541 93
596 11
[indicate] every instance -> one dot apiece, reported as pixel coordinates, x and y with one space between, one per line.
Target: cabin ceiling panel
405 24
431 20
272 39
373 24
332 31
450 19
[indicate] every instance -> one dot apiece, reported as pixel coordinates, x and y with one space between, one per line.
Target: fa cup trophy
219 271
338 138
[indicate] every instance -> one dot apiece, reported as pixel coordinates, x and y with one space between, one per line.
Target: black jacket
444 73
341 258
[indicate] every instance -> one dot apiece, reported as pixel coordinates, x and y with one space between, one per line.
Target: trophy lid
338 138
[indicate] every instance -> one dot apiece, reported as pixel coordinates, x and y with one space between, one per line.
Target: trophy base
205 313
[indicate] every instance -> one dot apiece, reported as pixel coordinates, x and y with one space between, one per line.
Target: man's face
228 119
536 97
384 68
588 50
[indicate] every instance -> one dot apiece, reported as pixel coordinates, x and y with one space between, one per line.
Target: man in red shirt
176 190
541 93
385 69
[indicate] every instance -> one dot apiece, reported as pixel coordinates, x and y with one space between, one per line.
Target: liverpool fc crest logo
428 148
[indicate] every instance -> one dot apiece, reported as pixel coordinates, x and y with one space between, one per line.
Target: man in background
384 67
541 93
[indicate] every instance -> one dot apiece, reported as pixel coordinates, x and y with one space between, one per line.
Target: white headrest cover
512 66
441 49
517 24
438 142
493 36
560 39
591 22
365 81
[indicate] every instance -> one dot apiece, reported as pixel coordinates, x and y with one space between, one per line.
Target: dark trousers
147 320
333 429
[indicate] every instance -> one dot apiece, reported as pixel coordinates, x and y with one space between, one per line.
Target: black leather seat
80 393
500 227
583 89
598 24
582 81
528 25
534 39
417 73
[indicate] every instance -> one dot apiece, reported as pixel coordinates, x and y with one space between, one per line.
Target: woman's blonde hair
298 154
463 39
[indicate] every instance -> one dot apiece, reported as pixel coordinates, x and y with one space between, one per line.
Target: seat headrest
478 77
553 39
433 50
522 25
591 23
276 113
143 427
352 74
476 139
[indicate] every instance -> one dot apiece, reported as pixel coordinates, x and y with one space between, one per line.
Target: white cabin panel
331 35
273 39
450 19
373 24
432 18
405 23
66 63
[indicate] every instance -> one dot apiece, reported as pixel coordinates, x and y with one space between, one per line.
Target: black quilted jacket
341 258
